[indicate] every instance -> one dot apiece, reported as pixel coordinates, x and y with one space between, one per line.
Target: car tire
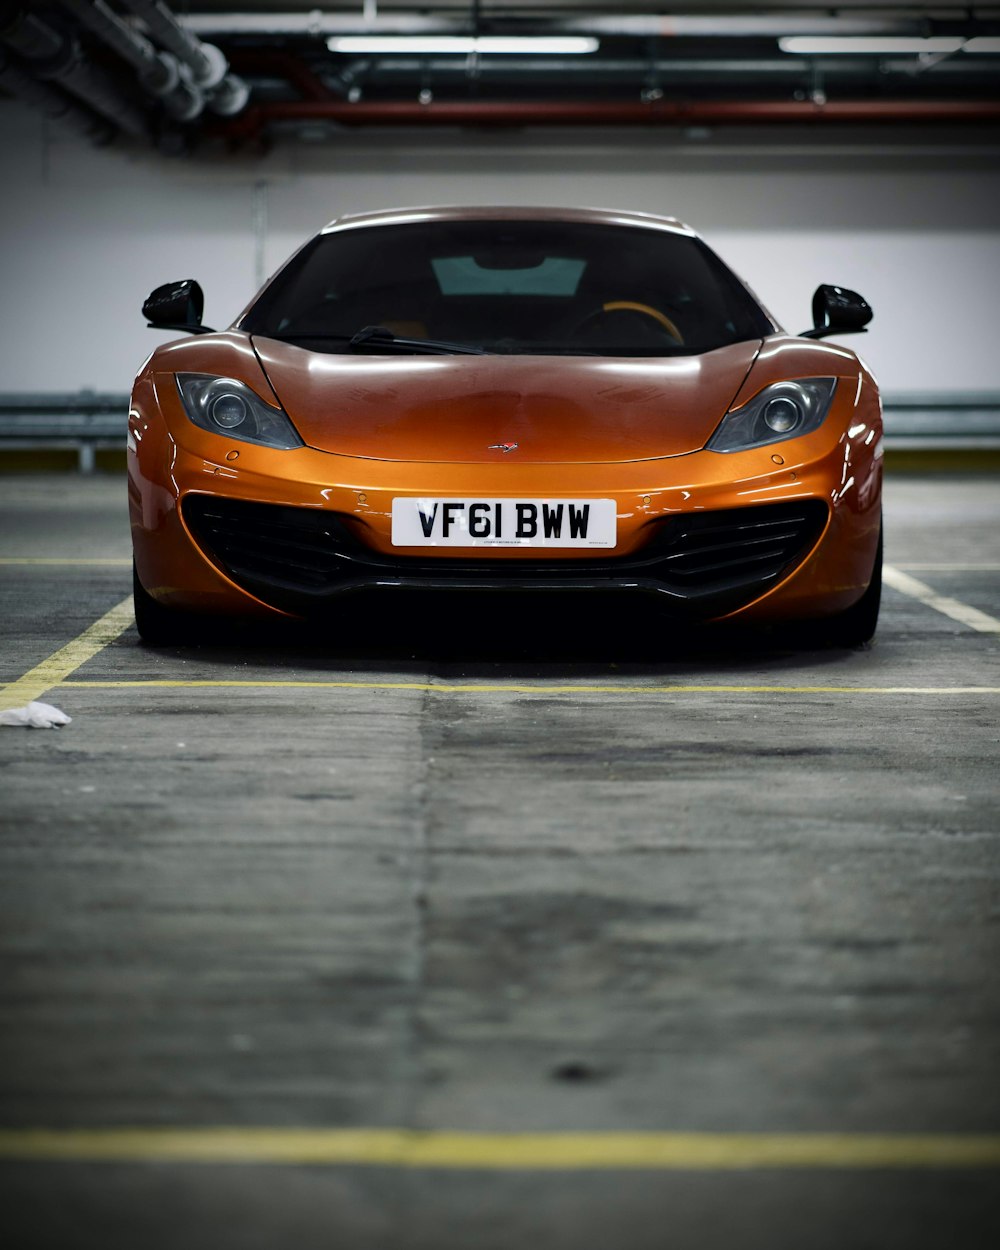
159 626
857 625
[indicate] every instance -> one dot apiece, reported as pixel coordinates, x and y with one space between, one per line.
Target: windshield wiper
379 338
382 337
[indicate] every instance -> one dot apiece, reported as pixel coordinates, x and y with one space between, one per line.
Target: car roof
594 216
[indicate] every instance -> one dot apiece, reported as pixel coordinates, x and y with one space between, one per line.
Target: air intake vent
704 548
710 562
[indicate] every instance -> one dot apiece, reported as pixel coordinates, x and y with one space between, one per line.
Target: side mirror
836 310
177 306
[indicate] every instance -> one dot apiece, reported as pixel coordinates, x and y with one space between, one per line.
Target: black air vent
703 548
295 548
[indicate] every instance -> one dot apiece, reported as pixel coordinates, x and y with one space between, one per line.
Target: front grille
706 562
702 548
296 548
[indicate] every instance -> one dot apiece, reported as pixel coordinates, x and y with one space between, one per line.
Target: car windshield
519 287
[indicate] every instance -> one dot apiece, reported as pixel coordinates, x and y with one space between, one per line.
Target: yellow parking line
400 1148
500 687
69 658
982 622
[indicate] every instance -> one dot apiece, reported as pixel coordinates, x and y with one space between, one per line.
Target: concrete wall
86 234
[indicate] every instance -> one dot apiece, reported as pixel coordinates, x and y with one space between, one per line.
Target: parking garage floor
487 926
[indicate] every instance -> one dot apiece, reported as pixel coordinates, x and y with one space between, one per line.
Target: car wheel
159 626
857 625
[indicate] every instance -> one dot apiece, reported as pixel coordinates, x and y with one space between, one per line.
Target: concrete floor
501 910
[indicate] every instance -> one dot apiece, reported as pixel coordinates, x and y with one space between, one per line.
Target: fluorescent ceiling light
982 43
872 45
464 44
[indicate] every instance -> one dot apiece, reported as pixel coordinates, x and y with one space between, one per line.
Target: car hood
554 409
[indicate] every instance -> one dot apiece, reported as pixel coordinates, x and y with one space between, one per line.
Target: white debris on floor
35 716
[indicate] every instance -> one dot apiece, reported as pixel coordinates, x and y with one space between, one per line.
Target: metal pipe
158 72
206 63
227 94
229 97
729 25
318 24
52 56
597 113
53 103
554 70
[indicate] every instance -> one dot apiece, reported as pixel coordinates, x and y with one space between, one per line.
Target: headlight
225 406
783 410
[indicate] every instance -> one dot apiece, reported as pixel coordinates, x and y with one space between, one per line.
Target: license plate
504 522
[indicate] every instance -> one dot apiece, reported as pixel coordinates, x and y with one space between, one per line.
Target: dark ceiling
102 67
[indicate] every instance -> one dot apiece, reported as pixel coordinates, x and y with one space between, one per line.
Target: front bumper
704 563
816 517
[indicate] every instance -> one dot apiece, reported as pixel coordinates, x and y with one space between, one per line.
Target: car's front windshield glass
518 287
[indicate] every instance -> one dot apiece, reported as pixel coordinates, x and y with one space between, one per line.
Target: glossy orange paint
633 429
451 409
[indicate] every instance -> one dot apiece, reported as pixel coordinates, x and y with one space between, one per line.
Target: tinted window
465 275
518 287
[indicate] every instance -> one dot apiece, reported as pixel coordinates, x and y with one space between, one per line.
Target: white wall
86 234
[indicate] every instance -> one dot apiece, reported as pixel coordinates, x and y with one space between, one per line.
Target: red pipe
655 113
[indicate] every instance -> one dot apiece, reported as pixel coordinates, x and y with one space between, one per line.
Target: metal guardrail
86 421
82 423
969 421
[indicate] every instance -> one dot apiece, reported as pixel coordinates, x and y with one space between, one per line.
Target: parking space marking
961 612
922 566
66 660
167 683
401 1148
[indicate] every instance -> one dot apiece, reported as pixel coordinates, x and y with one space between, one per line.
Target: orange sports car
530 399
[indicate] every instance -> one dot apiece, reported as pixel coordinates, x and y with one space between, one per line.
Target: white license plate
504 522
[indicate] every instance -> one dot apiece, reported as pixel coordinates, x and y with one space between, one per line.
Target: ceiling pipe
159 72
205 61
735 66
227 94
321 25
52 103
730 26
652 113
54 57
398 73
